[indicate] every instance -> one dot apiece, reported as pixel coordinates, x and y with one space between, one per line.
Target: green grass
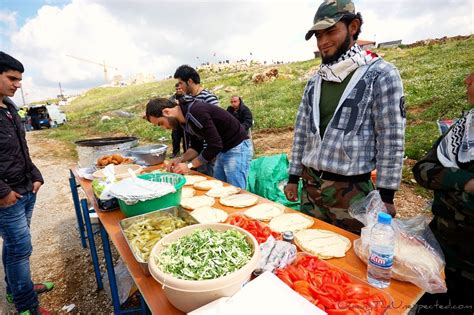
432 77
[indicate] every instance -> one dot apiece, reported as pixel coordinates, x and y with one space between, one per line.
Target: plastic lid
384 218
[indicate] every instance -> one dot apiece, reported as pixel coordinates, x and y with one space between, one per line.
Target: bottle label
381 260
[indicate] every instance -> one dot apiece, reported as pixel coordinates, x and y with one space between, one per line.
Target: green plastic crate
169 200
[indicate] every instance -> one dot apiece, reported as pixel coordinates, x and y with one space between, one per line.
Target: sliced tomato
284 276
316 292
339 312
334 290
357 291
295 273
327 302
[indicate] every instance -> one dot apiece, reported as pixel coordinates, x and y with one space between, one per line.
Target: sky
157 36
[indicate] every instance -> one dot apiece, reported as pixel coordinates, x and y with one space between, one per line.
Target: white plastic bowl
188 295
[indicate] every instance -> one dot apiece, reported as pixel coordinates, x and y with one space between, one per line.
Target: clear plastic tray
357 283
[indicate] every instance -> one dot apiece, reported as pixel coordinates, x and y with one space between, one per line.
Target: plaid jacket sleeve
389 125
299 138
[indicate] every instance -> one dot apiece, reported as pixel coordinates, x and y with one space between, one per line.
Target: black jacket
243 114
212 124
17 171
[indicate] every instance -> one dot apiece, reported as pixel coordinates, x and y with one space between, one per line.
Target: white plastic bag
418 257
124 281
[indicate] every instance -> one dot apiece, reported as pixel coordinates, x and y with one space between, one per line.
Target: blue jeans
233 166
15 231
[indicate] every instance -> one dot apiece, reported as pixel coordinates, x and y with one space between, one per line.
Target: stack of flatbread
239 201
208 184
322 243
197 202
193 179
209 215
187 192
265 211
224 191
290 222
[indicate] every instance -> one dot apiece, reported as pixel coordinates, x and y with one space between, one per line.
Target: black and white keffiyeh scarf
458 144
338 70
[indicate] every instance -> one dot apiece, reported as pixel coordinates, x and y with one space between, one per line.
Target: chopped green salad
205 254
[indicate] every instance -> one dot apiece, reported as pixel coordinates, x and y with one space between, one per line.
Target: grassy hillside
432 77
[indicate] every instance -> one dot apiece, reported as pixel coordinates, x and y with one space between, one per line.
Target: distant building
393 43
364 44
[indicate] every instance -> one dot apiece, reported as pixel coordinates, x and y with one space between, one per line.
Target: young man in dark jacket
241 112
225 138
20 180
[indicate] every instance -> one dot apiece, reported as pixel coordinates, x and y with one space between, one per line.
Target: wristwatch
190 165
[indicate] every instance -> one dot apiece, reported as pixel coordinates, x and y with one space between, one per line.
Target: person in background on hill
241 112
190 82
448 169
351 120
227 142
177 135
20 181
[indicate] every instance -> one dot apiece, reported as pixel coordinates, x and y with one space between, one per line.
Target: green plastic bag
267 178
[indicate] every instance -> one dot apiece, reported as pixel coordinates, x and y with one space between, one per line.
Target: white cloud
157 36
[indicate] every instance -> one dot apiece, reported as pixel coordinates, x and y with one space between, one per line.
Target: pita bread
290 222
239 201
197 202
322 243
208 184
187 192
265 211
209 215
219 192
193 179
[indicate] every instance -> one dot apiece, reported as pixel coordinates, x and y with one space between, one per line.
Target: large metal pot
90 149
149 154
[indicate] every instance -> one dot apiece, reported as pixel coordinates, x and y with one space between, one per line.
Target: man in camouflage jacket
453 206
351 121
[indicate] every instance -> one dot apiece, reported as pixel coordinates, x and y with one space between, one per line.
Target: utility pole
23 97
61 95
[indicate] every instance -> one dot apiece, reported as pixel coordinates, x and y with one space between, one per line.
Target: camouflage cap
329 13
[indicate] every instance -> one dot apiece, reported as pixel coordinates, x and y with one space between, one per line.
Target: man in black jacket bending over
225 137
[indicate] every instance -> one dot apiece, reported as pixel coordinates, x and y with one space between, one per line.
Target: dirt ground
57 252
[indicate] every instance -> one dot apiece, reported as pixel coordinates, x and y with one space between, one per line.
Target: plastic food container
125 223
169 200
188 295
357 282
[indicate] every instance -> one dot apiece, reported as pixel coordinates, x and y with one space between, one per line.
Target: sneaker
37 311
38 287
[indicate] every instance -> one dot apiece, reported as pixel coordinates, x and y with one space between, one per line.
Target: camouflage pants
329 201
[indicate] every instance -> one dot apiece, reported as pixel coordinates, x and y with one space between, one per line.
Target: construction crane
106 77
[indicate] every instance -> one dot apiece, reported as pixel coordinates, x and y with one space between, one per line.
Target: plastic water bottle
381 249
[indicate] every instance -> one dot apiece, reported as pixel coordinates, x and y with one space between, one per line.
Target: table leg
77 208
93 250
110 269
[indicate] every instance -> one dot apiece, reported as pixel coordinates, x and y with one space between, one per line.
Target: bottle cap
288 236
384 218
257 272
